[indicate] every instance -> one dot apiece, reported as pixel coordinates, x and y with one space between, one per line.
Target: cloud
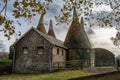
104 15
89 31
102 39
99 37
54 10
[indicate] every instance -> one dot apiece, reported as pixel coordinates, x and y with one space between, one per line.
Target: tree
22 8
12 51
29 8
3 54
116 40
85 9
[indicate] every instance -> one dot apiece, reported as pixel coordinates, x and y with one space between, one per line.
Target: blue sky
99 37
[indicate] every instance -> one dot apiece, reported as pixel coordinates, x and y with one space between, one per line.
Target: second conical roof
76 36
51 31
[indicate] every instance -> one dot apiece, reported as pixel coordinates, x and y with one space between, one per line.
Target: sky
99 37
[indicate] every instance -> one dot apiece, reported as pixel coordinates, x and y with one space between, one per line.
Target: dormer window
40 50
25 50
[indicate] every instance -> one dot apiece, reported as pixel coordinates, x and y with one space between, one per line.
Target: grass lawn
64 75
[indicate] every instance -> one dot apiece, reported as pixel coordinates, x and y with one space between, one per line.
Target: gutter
51 48
13 61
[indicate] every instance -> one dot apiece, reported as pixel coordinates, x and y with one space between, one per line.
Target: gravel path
100 70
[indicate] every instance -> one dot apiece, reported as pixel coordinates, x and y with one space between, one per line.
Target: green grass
102 67
64 75
5 61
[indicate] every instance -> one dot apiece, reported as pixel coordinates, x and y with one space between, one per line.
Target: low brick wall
106 76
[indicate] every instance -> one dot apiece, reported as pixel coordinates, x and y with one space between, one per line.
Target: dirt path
100 70
104 76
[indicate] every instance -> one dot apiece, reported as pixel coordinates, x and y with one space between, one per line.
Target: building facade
37 51
79 47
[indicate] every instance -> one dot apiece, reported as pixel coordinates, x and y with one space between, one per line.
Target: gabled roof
52 40
51 30
40 25
76 36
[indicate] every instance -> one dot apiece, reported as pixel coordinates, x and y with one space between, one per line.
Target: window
62 52
57 51
25 50
40 50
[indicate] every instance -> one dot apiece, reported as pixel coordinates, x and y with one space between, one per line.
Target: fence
72 64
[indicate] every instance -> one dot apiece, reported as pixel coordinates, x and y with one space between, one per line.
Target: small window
53 55
57 51
25 50
62 53
40 50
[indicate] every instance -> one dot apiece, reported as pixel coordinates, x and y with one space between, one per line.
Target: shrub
5 66
5 61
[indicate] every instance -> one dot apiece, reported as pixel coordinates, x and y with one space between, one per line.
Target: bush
5 66
5 61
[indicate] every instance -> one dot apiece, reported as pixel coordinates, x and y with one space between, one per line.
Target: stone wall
33 62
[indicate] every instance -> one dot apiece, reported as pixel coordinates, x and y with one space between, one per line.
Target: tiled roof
103 52
51 39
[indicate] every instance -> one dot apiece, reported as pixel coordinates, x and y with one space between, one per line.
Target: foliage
5 61
85 9
22 8
65 75
8 28
29 8
11 52
116 39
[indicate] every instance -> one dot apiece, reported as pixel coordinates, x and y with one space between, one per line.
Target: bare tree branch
4 8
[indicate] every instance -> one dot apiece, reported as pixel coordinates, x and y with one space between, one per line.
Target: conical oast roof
51 31
41 26
76 36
